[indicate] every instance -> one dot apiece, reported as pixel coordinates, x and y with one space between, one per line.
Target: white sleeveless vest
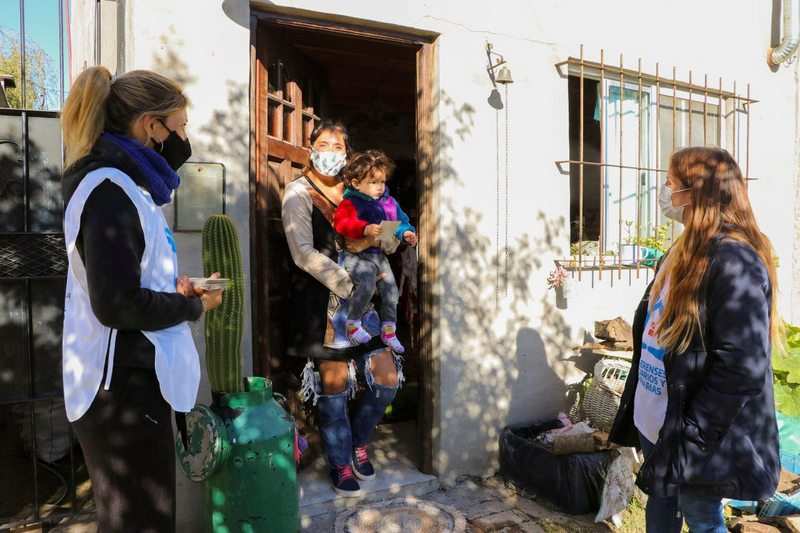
86 341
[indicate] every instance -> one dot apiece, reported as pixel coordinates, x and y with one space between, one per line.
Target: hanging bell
504 75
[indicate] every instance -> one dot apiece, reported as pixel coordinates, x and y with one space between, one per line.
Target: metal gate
43 478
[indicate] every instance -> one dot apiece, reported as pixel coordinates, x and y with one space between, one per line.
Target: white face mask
665 203
328 163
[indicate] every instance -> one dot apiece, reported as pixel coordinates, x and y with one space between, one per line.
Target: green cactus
224 324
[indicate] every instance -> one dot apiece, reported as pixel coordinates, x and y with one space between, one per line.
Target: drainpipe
790 34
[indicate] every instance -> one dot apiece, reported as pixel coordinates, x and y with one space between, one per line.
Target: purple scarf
161 179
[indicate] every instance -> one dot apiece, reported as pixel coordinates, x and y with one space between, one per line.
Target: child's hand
372 230
410 237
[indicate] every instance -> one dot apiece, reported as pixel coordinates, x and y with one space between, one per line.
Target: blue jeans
365 269
703 514
341 432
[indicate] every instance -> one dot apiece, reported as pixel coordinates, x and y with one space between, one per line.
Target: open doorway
376 85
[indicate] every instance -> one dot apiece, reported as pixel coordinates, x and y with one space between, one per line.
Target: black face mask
174 149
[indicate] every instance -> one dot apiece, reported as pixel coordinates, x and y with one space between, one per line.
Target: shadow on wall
226 135
499 364
495 370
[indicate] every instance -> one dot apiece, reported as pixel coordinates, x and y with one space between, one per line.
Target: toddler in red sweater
366 204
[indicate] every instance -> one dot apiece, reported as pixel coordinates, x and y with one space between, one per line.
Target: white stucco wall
508 364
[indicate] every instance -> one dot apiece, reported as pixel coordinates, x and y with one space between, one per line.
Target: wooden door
284 94
285 100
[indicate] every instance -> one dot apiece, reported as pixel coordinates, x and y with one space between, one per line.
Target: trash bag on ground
573 482
619 486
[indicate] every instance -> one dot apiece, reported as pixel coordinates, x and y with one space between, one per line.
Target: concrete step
397 475
317 496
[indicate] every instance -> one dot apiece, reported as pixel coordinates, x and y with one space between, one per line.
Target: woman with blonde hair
699 399
128 353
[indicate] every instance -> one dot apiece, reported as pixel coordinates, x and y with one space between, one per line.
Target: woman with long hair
128 353
699 399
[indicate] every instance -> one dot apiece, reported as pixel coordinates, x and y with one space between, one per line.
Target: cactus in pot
224 324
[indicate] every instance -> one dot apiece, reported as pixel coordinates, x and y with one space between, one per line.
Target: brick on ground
754 527
499 522
483 509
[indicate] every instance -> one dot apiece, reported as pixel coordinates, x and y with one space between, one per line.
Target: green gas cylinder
242 448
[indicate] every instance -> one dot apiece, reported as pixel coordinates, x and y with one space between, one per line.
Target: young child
366 204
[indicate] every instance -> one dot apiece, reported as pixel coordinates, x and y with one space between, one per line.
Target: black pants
128 445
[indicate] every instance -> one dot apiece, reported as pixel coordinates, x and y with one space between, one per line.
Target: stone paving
490 505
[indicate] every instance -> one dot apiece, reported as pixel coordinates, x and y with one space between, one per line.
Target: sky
41 26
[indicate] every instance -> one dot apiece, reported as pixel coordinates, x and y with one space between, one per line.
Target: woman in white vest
128 353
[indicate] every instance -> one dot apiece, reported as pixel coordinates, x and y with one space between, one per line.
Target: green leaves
786 367
787 399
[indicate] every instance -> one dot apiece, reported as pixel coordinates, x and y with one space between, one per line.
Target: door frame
426 139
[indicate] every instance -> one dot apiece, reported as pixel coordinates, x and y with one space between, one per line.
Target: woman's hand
211 299
372 230
198 291
185 287
410 237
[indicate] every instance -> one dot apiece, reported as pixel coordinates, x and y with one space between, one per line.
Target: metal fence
617 164
43 478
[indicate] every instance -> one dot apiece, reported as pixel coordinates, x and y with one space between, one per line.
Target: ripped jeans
342 431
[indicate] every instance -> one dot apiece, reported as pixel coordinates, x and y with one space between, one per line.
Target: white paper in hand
387 239
211 284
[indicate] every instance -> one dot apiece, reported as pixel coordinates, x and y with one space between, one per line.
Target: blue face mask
328 163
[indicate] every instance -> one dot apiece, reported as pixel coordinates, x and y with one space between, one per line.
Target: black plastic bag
573 482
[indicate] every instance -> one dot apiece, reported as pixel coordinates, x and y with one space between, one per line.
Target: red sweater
346 221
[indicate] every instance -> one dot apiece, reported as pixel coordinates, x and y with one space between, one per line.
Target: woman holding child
321 282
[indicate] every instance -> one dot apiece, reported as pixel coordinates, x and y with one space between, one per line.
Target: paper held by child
387 239
211 284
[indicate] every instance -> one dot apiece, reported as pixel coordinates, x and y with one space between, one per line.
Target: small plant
629 238
658 241
586 248
786 368
557 278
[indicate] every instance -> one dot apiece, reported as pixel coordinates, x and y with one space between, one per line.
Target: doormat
401 515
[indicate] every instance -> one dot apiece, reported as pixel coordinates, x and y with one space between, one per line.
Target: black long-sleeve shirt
111 244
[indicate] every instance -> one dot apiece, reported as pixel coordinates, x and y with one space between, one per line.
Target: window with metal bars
624 125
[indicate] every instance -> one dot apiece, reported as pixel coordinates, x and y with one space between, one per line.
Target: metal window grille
44 480
617 164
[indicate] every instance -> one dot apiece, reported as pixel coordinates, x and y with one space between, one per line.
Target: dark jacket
111 244
720 436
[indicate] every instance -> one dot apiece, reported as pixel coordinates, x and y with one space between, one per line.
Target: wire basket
602 399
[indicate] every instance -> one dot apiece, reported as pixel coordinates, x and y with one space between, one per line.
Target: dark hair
362 164
334 126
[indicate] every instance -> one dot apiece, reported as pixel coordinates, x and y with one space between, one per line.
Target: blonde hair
720 203
98 103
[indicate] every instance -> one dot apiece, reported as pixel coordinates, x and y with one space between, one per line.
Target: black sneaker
344 481
361 465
